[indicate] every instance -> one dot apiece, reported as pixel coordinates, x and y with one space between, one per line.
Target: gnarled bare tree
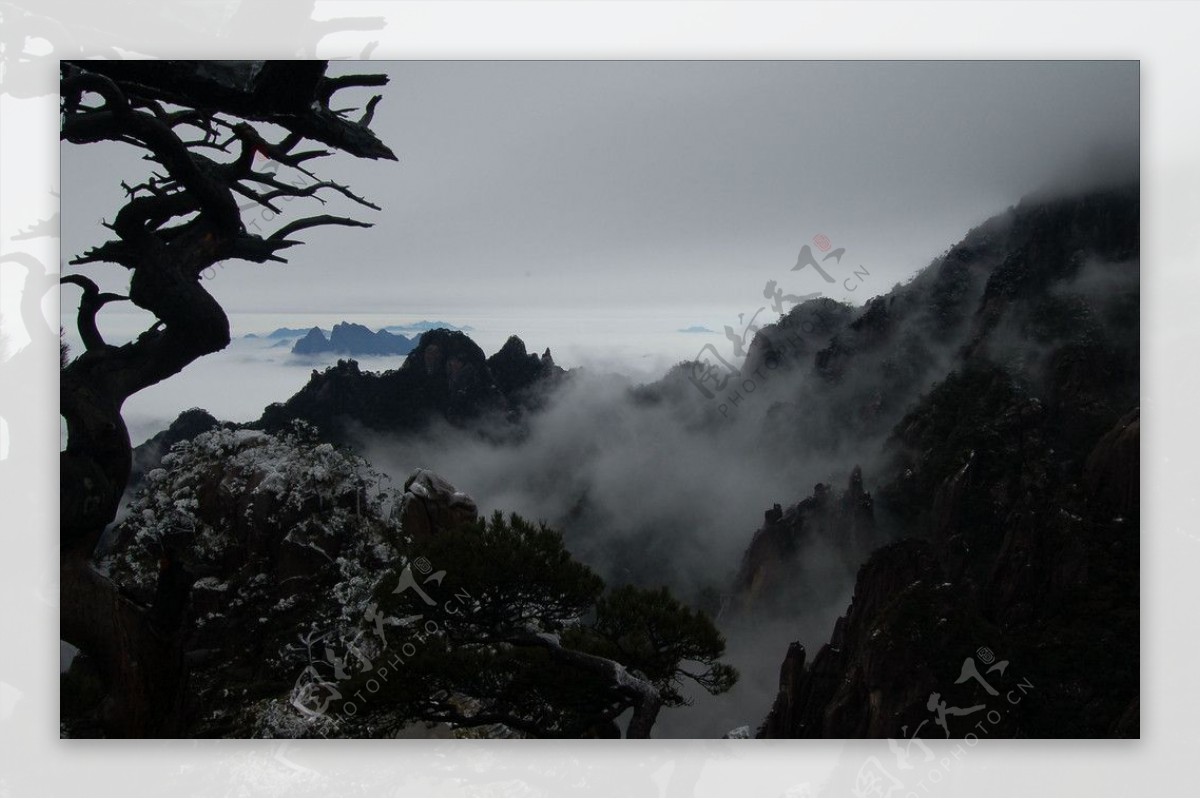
195 120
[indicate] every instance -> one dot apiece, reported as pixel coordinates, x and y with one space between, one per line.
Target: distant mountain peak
350 338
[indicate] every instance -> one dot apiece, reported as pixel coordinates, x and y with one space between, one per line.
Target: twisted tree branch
170 230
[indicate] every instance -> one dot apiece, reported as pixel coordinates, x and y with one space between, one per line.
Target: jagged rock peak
349 338
856 482
514 347
454 357
314 341
515 369
771 574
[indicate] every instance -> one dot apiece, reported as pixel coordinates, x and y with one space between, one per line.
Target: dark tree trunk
171 229
645 713
140 663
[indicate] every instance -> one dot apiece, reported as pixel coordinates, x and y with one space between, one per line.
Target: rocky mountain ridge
1010 486
446 376
348 338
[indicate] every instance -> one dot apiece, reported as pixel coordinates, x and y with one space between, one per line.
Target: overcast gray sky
551 185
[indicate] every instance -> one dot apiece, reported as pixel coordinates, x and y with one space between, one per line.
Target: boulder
430 503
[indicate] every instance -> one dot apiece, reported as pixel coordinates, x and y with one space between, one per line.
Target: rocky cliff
1054 593
1010 489
840 525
